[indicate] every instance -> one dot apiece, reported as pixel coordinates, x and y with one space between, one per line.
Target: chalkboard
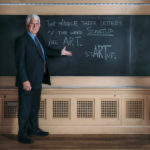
101 45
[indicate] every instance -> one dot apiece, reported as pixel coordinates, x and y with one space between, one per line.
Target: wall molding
73 4
88 82
74 1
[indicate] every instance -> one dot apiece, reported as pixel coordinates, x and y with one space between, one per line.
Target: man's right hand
27 86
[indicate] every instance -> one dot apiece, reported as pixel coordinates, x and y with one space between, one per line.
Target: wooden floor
78 142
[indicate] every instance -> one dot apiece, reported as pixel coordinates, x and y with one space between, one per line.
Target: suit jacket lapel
33 44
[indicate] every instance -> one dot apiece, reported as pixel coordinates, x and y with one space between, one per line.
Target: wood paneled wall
83 111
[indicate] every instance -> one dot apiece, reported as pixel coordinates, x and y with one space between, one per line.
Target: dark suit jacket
29 62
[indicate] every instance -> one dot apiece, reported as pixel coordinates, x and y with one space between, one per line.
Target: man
32 70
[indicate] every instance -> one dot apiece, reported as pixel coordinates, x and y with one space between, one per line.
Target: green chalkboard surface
101 45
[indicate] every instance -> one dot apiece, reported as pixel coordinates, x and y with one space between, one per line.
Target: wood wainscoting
82 105
83 110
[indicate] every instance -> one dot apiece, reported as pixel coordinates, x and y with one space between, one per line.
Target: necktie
41 53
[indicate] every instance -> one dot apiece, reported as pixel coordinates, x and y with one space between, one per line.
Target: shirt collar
31 35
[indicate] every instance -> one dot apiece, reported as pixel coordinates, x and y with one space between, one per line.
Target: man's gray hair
34 16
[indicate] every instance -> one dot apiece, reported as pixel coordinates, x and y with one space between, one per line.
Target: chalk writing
51 32
72 41
52 42
68 23
101 52
110 23
100 32
89 23
62 32
76 32
50 23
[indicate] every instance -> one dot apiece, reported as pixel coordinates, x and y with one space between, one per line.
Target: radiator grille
42 111
10 109
109 108
85 108
135 108
61 108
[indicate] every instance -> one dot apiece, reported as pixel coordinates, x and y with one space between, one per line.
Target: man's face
33 27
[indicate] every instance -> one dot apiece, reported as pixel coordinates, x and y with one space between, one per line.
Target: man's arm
20 64
51 52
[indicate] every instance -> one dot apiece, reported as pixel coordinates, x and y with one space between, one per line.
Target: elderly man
31 64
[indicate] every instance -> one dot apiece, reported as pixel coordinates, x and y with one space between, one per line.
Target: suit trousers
29 104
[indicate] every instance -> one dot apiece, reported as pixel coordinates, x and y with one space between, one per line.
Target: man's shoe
25 140
38 132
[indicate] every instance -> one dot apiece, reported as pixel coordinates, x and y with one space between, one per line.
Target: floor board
78 142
